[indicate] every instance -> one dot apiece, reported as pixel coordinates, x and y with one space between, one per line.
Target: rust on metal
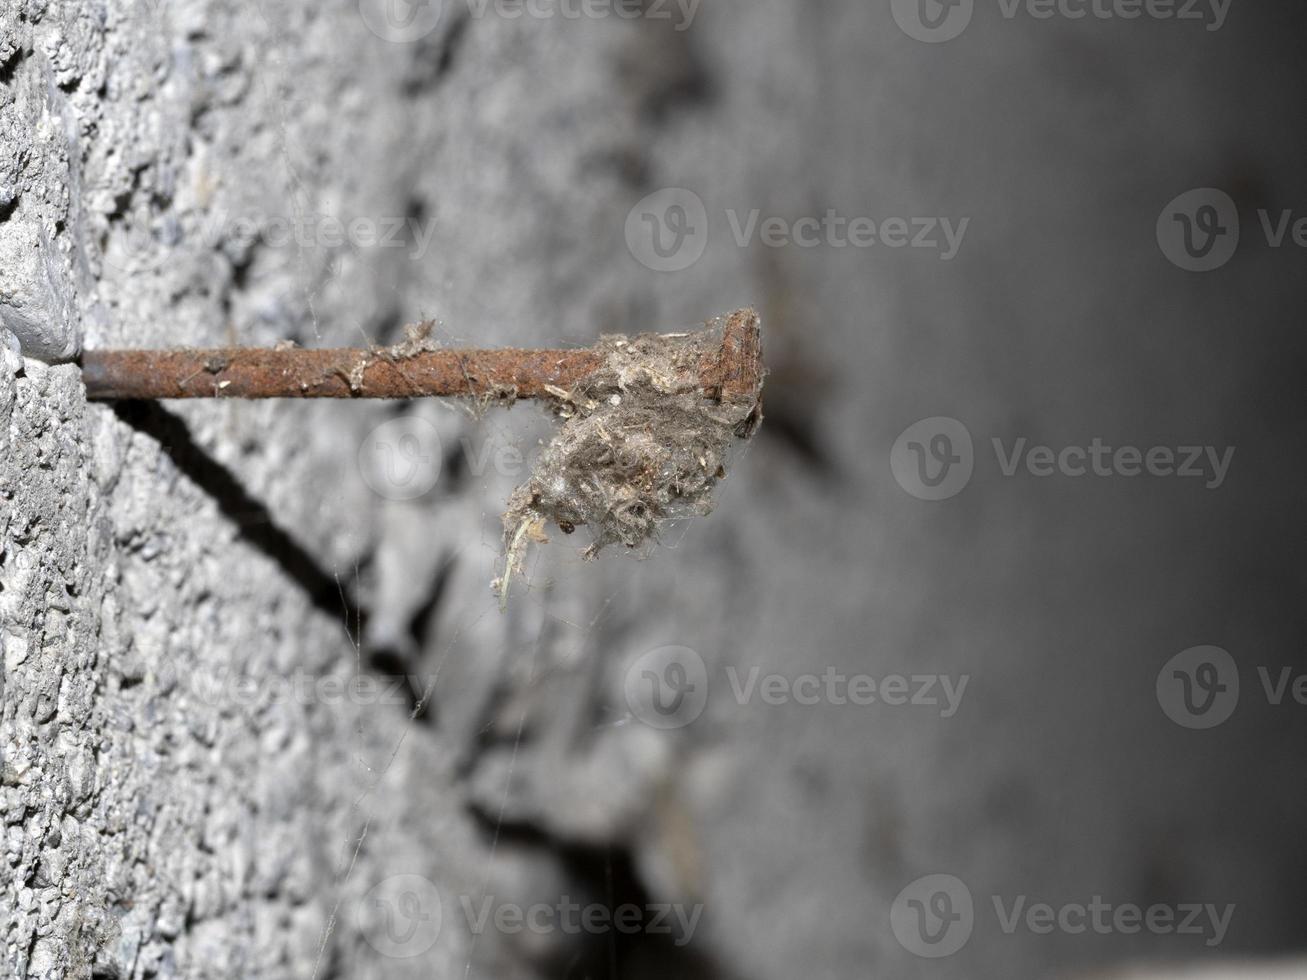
304 373
393 373
737 372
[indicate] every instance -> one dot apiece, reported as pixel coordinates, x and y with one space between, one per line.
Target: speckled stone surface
188 172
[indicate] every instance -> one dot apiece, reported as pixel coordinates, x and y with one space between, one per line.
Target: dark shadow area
251 517
607 876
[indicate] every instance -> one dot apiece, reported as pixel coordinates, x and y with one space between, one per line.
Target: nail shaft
395 373
300 373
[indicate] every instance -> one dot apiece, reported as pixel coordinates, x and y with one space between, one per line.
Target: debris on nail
640 440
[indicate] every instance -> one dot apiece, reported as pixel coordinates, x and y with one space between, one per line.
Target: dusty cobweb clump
639 443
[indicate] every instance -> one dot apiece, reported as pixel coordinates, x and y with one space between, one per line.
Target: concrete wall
185 793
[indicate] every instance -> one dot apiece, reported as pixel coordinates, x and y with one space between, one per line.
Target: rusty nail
405 371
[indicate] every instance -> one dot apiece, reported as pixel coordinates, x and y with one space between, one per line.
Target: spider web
492 451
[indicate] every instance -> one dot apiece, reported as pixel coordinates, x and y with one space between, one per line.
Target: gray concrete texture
195 782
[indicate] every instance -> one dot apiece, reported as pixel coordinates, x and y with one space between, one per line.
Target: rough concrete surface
195 785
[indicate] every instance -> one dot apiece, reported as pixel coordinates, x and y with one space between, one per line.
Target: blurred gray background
179 172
